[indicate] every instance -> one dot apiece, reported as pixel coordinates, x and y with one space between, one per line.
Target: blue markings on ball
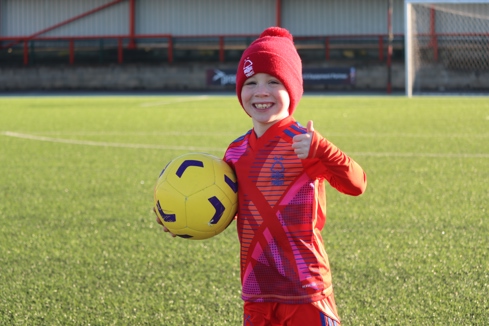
219 210
188 163
166 217
231 184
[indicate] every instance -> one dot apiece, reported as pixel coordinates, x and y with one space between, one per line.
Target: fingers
157 217
302 154
302 143
310 127
158 220
166 230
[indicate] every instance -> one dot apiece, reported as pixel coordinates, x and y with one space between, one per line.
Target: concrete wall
168 77
162 77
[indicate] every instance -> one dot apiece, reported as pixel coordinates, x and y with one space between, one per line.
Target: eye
274 82
250 82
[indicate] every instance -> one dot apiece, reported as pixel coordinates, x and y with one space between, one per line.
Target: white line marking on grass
137 133
233 134
215 149
406 135
392 154
106 144
179 100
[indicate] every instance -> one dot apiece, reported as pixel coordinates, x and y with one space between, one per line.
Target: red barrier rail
219 43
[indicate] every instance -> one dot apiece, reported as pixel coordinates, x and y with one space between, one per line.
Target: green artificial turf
79 243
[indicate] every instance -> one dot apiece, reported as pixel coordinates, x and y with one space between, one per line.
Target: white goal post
446 46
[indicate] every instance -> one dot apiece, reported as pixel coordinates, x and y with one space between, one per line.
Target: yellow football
196 196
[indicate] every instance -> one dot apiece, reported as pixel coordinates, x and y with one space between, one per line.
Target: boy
281 167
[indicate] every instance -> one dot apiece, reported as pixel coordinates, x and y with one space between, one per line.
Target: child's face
266 100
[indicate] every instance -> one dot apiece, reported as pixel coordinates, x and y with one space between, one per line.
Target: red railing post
119 51
278 13
132 24
326 48
221 48
381 48
72 51
170 49
26 52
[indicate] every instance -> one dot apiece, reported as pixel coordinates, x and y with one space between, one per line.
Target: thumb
310 127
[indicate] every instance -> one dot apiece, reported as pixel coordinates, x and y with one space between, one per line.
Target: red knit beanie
273 53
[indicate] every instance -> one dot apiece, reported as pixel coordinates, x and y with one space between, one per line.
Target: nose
262 90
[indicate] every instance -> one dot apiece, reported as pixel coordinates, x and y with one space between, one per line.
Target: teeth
262 106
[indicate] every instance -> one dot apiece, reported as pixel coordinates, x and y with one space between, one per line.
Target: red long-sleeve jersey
282 210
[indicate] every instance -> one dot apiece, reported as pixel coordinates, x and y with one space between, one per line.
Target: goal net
447 46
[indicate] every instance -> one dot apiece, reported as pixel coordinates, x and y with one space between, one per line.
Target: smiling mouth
262 106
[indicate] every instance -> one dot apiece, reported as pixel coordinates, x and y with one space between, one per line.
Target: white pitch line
231 134
182 100
135 134
406 135
215 149
106 144
393 154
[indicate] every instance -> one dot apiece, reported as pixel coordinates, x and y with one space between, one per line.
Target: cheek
245 95
284 98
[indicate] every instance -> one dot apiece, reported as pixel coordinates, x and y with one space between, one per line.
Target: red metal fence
219 48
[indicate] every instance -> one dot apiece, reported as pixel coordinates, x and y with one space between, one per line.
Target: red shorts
281 314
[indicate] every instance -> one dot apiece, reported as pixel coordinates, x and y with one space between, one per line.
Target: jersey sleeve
328 161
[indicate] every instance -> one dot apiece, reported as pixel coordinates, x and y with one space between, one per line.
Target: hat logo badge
248 68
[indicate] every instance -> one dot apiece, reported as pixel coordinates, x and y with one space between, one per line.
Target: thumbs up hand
302 143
